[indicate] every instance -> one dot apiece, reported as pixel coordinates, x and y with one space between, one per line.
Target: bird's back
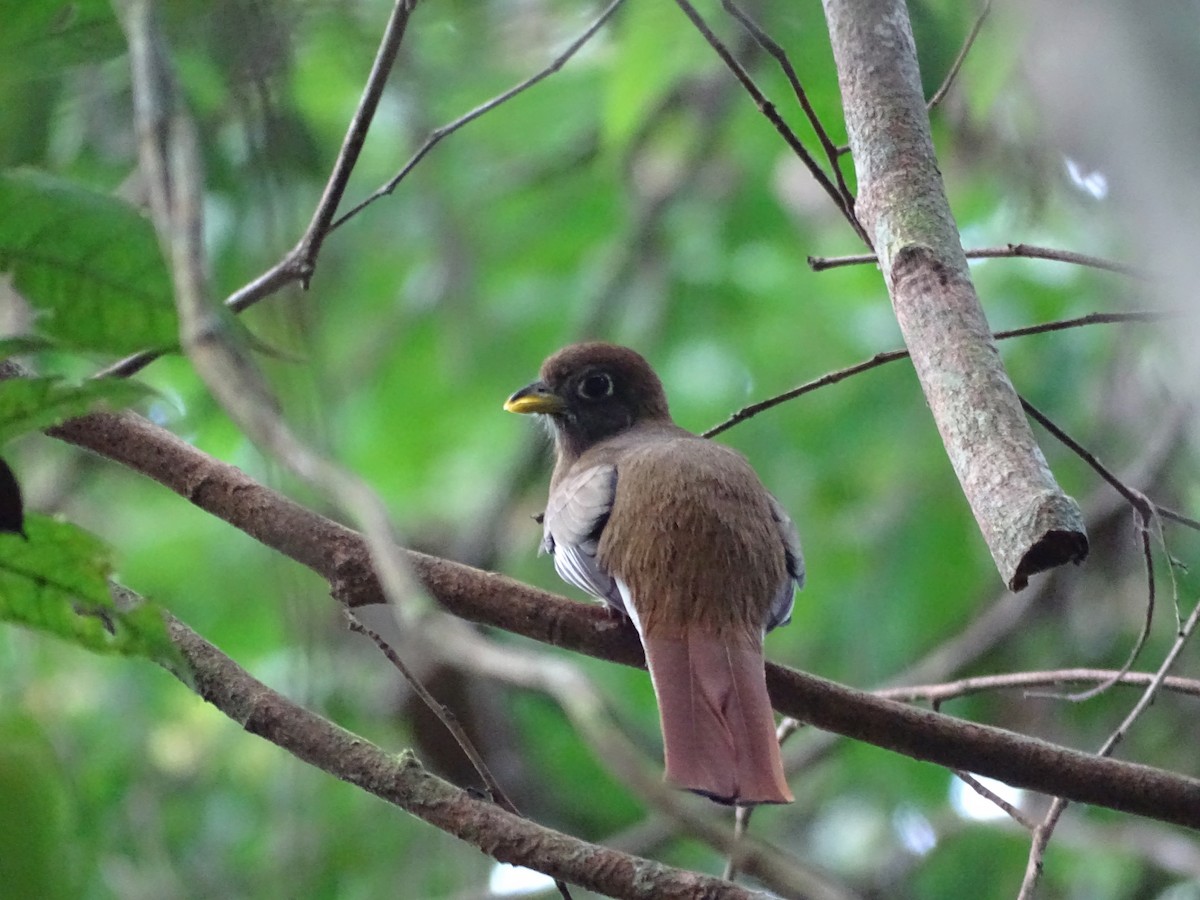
692 522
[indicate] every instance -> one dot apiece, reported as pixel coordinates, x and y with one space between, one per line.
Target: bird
679 534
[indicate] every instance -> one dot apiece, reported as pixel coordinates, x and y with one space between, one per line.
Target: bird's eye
596 386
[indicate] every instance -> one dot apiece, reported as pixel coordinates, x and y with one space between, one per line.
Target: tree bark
1029 524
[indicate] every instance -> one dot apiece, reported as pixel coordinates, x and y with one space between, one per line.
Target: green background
636 195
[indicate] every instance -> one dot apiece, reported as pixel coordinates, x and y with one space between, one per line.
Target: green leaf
42 37
89 263
57 581
33 404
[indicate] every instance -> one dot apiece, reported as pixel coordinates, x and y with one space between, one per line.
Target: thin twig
299 263
444 714
1027 251
988 794
1144 510
879 359
768 109
305 255
1143 528
1136 499
449 128
447 717
964 687
941 92
1043 832
780 56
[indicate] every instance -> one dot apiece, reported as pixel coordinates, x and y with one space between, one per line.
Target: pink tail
717 723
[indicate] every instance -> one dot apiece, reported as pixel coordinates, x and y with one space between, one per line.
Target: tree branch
400 779
1029 524
340 555
298 264
887 356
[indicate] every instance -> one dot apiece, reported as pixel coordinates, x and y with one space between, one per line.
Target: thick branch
340 555
1029 524
402 780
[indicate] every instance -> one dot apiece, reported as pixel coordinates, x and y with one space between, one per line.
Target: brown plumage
678 533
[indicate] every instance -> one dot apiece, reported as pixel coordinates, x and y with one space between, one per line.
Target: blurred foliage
635 195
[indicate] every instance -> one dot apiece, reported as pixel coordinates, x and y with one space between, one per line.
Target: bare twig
768 109
1043 832
1136 499
1143 529
1024 680
887 356
1028 251
1177 517
941 92
299 263
436 136
304 257
448 719
988 794
443 713
769 44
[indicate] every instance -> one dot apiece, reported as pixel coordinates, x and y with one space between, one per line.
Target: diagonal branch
1029 524
401 780
1041 834
298 264
772 47
768 109
340 555
940 93
887 356
436 136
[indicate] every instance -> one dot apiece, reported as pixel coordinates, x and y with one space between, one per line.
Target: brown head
591 392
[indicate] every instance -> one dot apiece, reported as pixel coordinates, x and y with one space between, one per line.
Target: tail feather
717 723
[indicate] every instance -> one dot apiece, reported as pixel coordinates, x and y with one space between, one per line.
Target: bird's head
591 392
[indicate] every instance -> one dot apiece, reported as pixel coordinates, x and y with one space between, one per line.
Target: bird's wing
781 607
576 513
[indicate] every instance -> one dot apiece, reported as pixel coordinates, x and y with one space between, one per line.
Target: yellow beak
535 398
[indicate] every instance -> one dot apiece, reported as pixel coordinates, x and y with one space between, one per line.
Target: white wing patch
781 607
575 516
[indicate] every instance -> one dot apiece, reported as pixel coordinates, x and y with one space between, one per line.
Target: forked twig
768 109
771 46
300 262
447 717
1041 835
436 136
